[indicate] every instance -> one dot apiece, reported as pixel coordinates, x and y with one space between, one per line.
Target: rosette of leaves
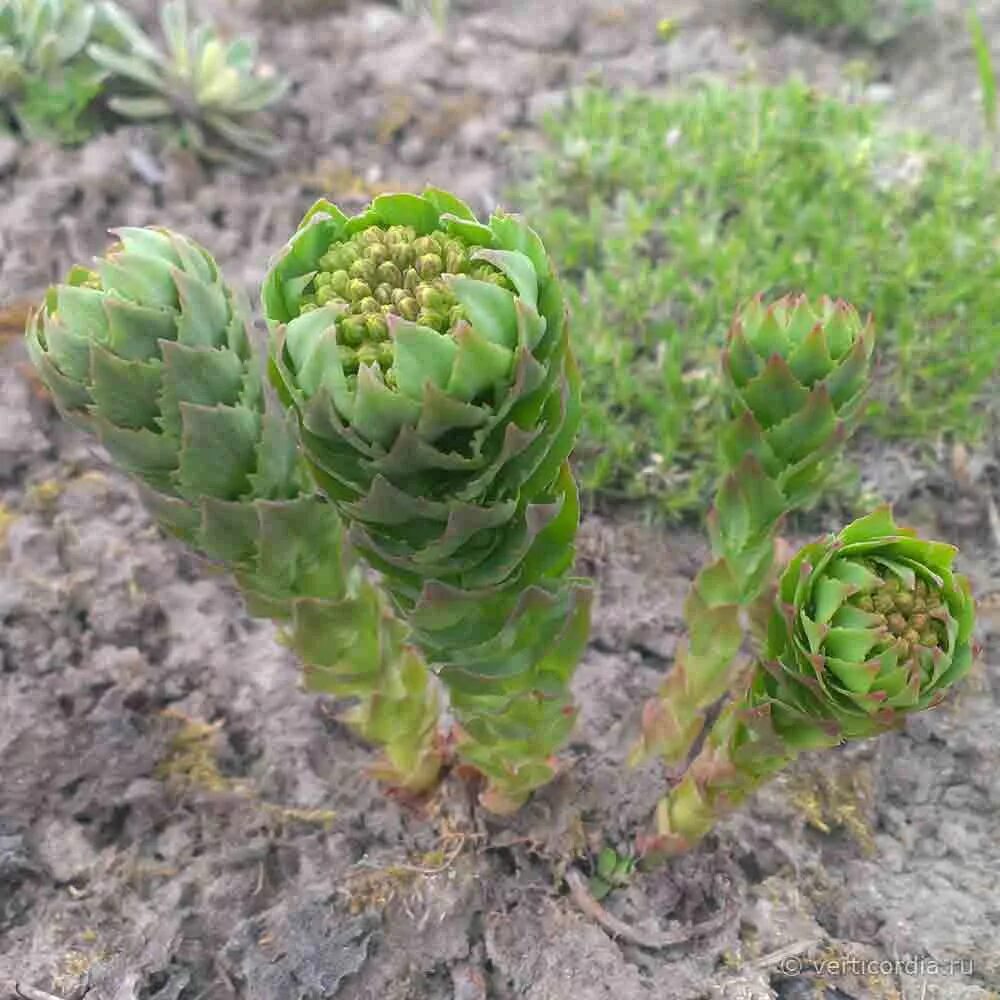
795 374
869 625
211 91
48 82
149 353
427 356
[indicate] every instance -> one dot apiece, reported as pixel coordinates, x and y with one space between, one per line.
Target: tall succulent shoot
427 356
869 625
149 352
210 89
796 374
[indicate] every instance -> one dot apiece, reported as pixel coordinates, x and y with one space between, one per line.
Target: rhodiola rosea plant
397 494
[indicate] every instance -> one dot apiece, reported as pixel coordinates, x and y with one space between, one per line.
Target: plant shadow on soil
169 861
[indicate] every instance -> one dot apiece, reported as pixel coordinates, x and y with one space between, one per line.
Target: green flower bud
340 282
409 308
425 245
377 253
358 290
403 255
389 274
351 330
433 298
430 266
365 270
378 329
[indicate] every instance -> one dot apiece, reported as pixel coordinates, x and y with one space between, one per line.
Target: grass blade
984 65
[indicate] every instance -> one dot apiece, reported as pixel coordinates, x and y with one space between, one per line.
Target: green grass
871 20
984 67
665 216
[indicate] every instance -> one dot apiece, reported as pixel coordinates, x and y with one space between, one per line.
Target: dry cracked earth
178 821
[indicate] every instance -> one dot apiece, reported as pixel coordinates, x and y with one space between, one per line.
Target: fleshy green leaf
489 308
421 355
407 210
218 450
126 392
479 364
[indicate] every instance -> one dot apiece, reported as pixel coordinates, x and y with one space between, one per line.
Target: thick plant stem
743 524
740 753
358 648
532 721
294 566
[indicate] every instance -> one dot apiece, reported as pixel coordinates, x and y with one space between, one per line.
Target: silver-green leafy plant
149 352
427 356
48 82
209 91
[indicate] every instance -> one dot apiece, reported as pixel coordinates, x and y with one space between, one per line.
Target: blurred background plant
437 9
873 21
662 213
985 70
206 92
48 82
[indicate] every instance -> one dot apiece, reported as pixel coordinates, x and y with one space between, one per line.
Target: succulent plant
150 353
427 356
47 80
210 89
428 390
796 375
869 625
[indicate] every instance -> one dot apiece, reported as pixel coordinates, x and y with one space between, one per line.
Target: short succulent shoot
869 625
427 356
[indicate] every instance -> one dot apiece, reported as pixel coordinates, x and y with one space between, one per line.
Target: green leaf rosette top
795 374
869 625
427 356
149 352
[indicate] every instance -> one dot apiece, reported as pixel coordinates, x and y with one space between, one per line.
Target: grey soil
163 861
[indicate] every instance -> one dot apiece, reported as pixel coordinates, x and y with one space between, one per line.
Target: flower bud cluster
382 272
911 618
